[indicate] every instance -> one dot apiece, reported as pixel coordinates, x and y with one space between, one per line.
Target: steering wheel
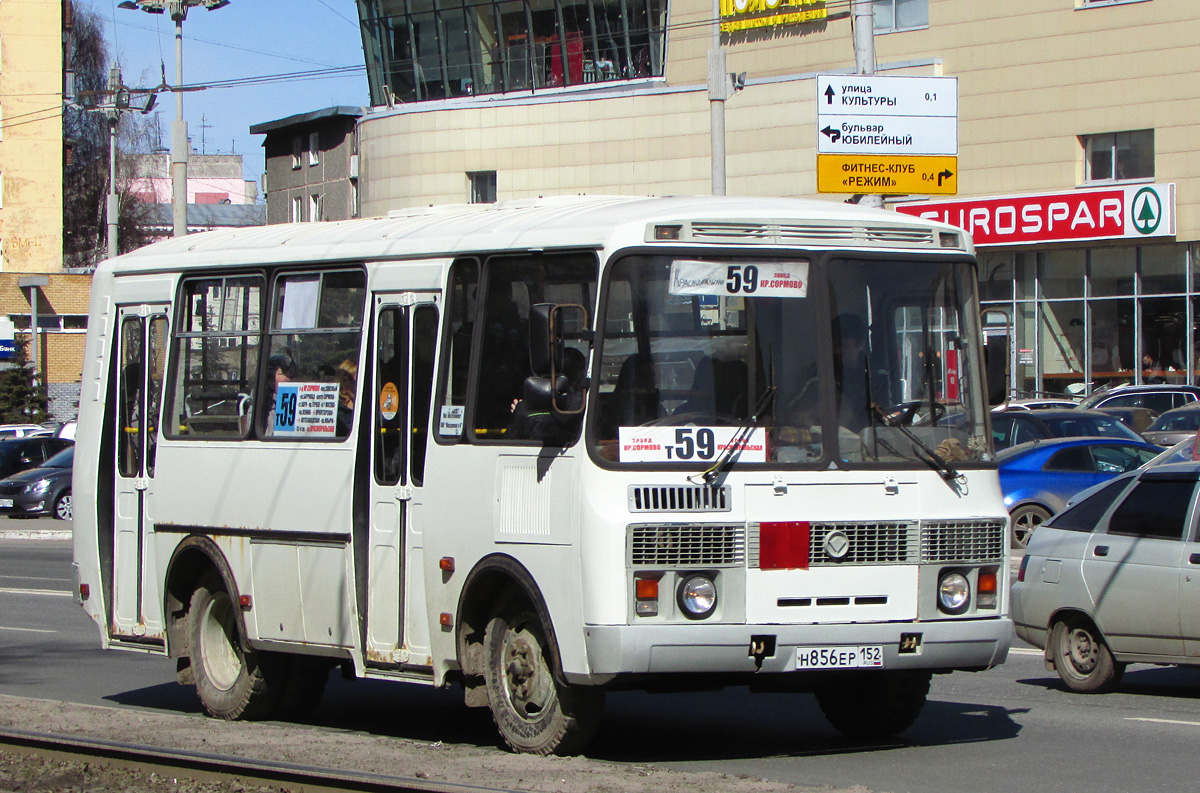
904 413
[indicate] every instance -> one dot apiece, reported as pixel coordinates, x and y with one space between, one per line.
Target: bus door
141 358
405 335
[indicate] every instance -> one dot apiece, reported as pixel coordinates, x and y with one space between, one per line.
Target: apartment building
1060 103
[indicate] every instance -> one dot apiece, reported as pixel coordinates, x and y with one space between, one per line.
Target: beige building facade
1055 97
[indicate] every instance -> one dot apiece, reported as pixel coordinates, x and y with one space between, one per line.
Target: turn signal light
986 587
85 591
645 591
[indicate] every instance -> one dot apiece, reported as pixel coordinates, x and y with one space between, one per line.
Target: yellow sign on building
748 14
887 174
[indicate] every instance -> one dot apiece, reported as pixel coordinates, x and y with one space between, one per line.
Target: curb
36 534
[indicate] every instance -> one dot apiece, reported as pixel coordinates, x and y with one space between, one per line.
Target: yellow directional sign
886 174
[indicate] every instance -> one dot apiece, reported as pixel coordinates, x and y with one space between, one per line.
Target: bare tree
86 166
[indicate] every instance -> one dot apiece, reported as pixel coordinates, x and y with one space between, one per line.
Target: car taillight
1021 570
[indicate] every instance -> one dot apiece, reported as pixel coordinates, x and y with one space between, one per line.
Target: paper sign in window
741 279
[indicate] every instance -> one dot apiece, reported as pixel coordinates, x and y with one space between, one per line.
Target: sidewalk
35 529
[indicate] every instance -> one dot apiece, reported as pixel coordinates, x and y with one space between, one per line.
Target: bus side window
316 334
456 354
425 328
216 358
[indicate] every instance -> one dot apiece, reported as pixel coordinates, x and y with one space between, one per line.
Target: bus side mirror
543 351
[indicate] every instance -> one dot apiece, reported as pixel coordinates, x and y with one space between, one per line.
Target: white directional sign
869 114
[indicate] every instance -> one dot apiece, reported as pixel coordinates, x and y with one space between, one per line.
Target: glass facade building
437 49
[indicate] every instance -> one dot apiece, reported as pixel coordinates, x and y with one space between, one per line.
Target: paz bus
546 449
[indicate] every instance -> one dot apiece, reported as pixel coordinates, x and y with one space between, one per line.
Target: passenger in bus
634 400
850 379
346 375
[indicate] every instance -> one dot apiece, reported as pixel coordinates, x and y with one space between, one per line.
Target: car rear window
1155 508
1087 513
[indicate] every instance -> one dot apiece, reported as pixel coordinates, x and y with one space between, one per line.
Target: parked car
21 453
8 431
1037 403
1103 583
1137 419
1014 427
1159 398
1182 452
1038 478
1174 426
43 490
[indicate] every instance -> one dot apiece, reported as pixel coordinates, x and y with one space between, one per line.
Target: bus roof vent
774 233
679 498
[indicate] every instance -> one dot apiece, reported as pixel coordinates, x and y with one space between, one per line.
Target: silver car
1115 579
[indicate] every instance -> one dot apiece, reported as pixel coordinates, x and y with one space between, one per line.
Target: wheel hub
526 676
1082 651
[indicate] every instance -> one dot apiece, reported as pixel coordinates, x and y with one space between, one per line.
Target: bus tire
233 683
534 713
303 686
874 705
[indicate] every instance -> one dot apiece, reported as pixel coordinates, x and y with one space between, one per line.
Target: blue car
1038 478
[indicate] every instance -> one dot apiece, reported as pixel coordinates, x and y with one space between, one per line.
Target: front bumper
944 645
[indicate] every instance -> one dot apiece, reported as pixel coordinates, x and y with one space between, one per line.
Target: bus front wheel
233 683
534 713
874 705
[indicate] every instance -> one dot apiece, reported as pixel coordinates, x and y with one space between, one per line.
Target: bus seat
634 400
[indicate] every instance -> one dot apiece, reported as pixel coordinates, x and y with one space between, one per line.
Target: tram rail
207 767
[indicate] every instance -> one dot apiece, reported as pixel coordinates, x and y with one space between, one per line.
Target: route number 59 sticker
740 279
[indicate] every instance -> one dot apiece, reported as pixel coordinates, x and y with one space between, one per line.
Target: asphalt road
1011 728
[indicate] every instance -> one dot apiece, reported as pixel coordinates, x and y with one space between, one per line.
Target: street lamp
179 135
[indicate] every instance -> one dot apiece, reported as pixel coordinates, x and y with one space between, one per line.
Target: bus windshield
789 361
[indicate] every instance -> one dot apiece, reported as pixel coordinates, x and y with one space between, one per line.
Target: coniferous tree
20 401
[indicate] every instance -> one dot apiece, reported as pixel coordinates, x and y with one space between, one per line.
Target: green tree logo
1146 210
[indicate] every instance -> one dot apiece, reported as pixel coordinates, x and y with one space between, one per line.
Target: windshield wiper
727 455
921 450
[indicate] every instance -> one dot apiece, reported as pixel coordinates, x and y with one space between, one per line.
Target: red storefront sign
1131 211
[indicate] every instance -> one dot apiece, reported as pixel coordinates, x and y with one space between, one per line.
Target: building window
901 15
422 51
297 151
483 187
314 148
297 214
314 208
1114 156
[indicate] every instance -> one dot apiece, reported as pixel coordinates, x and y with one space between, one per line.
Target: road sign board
873 95
887 135
858 173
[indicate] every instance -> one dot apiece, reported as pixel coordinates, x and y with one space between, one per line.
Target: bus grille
962 540
870 543
686 545
673 498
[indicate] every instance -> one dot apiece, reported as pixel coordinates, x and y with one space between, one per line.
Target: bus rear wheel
534 713
874 705
233 682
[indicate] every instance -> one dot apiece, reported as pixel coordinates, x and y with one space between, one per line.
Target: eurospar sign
1125 212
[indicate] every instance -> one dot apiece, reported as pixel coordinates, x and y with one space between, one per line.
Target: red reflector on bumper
783 546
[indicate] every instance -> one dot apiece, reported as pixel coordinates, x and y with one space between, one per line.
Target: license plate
6 502
863 657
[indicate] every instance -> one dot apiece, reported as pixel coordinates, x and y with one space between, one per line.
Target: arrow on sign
834 135
946 174
829 94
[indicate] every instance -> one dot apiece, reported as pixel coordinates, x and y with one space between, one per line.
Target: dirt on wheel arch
317 746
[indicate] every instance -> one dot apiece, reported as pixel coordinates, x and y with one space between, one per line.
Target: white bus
543 450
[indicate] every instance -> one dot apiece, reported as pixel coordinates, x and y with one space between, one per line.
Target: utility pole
863 17
113 207
718 92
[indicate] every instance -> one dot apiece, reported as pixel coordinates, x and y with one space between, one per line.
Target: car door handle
1100 550
1194 558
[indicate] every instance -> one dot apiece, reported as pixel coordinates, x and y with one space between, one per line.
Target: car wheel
1024 520
1082 658
62 506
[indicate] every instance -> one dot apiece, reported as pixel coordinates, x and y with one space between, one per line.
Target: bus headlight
697 597
954 593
